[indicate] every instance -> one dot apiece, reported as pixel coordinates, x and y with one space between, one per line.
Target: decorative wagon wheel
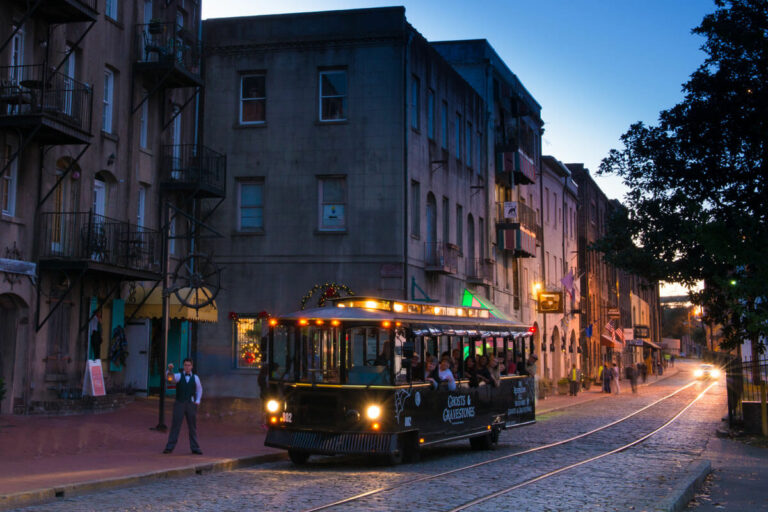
196 281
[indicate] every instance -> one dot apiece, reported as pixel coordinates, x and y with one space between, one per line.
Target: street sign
642 331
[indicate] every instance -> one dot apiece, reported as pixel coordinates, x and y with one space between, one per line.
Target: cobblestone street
636 479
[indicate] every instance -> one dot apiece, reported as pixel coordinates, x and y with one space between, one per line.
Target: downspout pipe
406 203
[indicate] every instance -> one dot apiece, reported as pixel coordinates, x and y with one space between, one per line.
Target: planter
563 387
155 28
586 384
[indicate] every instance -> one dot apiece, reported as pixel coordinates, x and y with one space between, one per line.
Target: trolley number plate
287 417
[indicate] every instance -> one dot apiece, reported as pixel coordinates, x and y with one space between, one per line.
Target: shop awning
470 299
651 344
153 306
606 341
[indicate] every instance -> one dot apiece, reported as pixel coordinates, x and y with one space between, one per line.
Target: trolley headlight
715 373
273 406
373 412
698 373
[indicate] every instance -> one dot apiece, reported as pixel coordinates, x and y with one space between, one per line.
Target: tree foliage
698 200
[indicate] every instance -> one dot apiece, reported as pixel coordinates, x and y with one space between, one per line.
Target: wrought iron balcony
168 52
481 270
516 162
441 257
526 218
53 106
90 241
61 11
193 169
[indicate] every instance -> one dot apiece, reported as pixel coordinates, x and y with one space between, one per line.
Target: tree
698 200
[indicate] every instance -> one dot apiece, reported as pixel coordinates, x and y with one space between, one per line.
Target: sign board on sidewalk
629 333
93 382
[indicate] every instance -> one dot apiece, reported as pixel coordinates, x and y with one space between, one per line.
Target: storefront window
248 347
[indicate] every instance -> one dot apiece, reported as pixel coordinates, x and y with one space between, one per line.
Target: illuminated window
248 343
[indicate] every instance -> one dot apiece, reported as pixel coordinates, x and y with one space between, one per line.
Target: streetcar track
501 492
518 454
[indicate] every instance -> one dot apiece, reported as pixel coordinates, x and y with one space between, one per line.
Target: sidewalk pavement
48 457
44 457
557 402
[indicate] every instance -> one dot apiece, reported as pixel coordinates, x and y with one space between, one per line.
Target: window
251 206
460 227
144 120
253 99
332 192
469 144
415 107
333 95
415 209
431 114
479 163
109 89
141 207
248 350
444 125
8 182
554 210
172 235
481 227
446 221
110 9
546 205
17 55
458 136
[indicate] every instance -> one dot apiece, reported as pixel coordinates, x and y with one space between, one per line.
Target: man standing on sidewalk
574 379
189 391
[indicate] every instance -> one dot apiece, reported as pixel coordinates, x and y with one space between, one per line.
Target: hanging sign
93 382
550 302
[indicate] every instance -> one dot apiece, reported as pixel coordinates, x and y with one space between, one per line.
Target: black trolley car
350 378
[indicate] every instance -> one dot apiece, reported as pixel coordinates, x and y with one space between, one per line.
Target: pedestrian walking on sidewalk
574 379
644 371
189 391
615 387
632 377
605 374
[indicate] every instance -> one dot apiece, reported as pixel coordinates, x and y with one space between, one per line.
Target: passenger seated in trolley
483 374
443 374
470 371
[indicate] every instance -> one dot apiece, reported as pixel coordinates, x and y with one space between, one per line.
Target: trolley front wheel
298 457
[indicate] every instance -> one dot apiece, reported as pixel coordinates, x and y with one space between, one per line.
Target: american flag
620 334
611 329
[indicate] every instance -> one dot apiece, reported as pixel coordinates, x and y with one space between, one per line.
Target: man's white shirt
198 386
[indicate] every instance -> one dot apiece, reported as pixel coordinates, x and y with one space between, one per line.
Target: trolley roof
423 318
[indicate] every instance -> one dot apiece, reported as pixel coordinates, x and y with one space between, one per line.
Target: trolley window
281 360
320 355
369 358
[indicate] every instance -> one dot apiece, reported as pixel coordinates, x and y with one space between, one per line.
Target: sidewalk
557 402
48 457
54 456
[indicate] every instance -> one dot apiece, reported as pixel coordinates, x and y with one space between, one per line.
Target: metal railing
161 42
85 236
481 269
91 4
743 383
442 256
31 89
194 166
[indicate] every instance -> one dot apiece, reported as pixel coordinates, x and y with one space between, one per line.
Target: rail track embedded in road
547 446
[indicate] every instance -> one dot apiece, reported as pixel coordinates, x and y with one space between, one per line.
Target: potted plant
562 386
586 383
155 26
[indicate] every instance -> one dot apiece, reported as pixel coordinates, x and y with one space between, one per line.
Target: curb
39 496
684 491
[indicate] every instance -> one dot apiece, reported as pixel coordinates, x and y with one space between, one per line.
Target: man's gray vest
186 391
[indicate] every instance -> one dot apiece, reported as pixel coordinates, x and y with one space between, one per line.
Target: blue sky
595 66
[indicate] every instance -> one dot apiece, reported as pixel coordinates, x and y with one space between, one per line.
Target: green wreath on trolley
331 291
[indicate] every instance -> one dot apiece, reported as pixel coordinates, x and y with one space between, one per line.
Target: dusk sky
595 66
